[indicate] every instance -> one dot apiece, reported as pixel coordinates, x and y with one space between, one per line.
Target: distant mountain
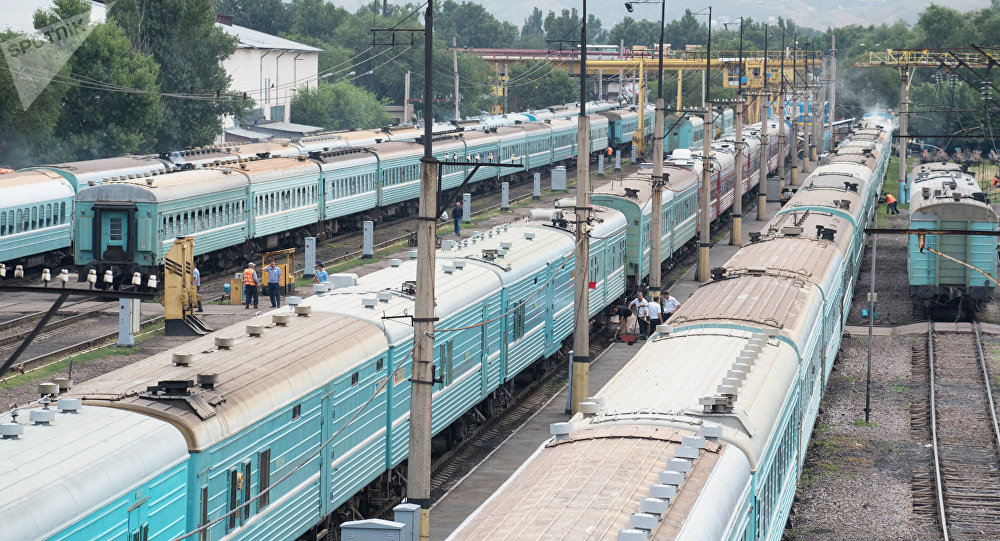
808 13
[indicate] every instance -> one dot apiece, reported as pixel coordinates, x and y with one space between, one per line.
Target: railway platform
458 503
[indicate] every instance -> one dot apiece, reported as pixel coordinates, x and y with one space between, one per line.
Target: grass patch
898 387
53 369
862 422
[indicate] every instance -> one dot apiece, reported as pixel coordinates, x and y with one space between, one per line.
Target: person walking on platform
639 305
623 314
456 214
890 204
670 305
274 284
321 274
250 284
196 282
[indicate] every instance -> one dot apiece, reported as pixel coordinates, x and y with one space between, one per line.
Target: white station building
269 69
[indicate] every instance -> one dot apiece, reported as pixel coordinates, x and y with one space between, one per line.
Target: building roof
248 134
252 39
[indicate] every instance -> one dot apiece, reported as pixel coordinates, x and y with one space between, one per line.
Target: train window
247 482
48 215
204 513
517 330
34 217
296 411
235 480
354 379
264 497
3 223
115 229
19 220
379 364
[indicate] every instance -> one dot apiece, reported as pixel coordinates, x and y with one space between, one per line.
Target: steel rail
934 437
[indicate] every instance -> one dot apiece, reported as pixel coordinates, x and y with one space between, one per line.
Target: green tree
471 25
26 134
268 16
339 106
633 32
539 84
97 123
533 31
316 19
688 30
182 36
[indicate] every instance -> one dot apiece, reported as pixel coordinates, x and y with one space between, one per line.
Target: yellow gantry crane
645 64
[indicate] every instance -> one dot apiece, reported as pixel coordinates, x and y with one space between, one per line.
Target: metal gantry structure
906 62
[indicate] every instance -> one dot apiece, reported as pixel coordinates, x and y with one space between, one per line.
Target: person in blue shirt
321 274
274 284
196 281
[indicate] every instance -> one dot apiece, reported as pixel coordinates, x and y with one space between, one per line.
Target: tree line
140 84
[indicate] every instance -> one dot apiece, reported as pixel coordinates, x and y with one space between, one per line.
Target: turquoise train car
945 197
35 209
738 415
74 472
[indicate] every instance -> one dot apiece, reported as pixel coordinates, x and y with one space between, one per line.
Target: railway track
965 437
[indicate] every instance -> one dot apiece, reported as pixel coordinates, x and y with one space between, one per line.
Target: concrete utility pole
794 138
833 82
656 227
819 123
904 102
580 387
418 475
407 107
454 57
737 227
705 245
782 140
764 154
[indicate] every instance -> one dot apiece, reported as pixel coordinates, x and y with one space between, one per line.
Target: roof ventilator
303 311
384 296
281 320
48 389
171 387
448 268
589 409
224 343
369 302
44 416
529 235
182 359
459 265
395 262
11 431
561 430
69 405
255 330
208 381
791 231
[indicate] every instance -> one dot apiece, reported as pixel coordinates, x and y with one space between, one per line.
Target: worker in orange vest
890 204
250 286
609 151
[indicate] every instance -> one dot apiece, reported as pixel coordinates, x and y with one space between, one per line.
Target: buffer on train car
180 297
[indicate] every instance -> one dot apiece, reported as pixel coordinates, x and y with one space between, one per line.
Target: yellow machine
284 260
180 297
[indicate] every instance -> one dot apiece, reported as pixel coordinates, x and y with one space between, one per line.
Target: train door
114 237
138 520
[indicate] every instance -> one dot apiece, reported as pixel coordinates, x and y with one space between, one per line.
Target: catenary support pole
765 113
454 57
418 489
581 297
904 99
705 218
656 225
736 236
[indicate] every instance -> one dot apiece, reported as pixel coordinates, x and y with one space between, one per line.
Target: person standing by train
196 281
250 286
670 305
321 274
456 214
274 284
639 305
653 309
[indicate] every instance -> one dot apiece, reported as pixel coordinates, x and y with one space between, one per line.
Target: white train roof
53 475
675 381
170 187
103 170
949 196
33 187
256 375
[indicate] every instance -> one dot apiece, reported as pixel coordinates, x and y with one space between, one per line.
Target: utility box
773 188
310 248
559 179
236 291
374 529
